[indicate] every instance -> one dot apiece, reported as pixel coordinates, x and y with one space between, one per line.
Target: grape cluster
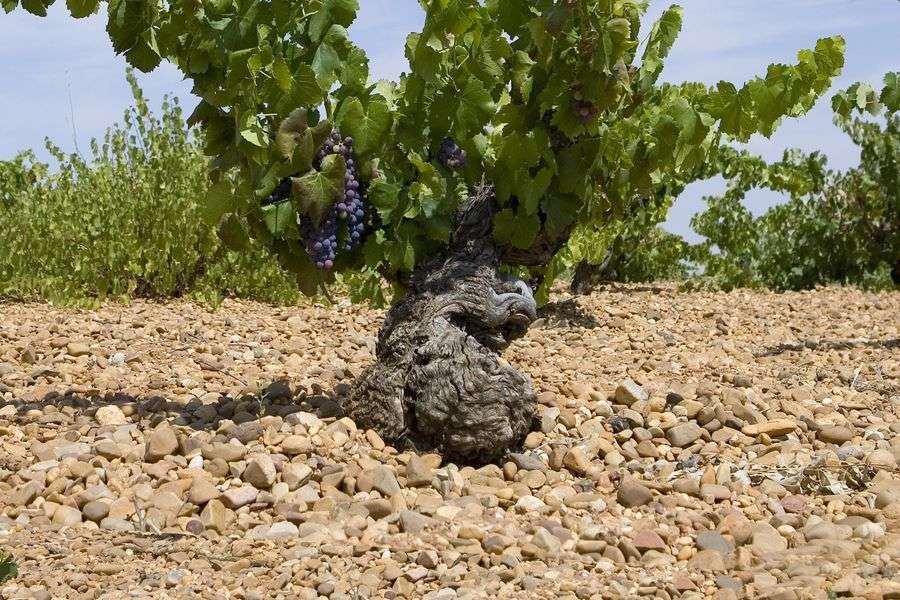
451 155
584 111
351 208
321 241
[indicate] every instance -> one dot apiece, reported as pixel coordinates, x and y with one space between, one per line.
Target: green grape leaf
317 191
82 8
513 229
282 74
561 211
127 20
37 7
530 191
219 200
9 5
368 126
9 570
144 55
304 91
476 107
662 37
253 131
280 219
355 70
332 12
295 260
233 234
890 95
385 197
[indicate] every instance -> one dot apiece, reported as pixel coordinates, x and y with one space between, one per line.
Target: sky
60 79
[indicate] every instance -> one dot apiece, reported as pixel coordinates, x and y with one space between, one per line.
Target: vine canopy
556 103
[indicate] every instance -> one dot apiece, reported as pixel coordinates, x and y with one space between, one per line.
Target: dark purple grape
451 155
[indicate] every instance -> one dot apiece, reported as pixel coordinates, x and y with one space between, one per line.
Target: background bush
836 227
124 222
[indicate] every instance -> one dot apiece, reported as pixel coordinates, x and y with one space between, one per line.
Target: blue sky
59 76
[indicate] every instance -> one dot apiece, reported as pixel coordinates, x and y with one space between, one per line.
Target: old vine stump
439 382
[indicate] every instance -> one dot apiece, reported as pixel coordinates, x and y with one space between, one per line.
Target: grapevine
556 106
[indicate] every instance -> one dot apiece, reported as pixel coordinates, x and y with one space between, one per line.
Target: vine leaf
37 7
280 219
82 8
368 126
513 229
890 95
291 132
315 192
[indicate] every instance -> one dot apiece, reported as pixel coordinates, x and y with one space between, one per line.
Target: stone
628 392
67 516
527 462
646 539
713 540
773 428
235 498
379 508
412 522
295 475
95 511
110 415
202 491
260 472
684 434
632 493
229 452
216 516
384 480
496 543
78 349
161 442
577 461
419 472
836 434
296 444
765 538
546 541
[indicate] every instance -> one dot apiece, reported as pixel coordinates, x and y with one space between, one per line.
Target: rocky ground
739 445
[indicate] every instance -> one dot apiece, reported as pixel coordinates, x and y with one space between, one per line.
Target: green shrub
8 568
125 222
837 227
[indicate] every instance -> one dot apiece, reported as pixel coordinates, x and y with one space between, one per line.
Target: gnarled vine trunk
439 382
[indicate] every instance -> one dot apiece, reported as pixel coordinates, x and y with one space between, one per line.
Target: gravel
705 445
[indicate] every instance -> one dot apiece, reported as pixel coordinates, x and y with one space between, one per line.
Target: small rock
110 415
412 522
260 472
773 428
684 434
713 540
66 515
95 511
419 472
238 497
646 539
835 434
628 392
632 493
161 442
78 349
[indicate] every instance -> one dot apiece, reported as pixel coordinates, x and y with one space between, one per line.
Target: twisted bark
439 382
